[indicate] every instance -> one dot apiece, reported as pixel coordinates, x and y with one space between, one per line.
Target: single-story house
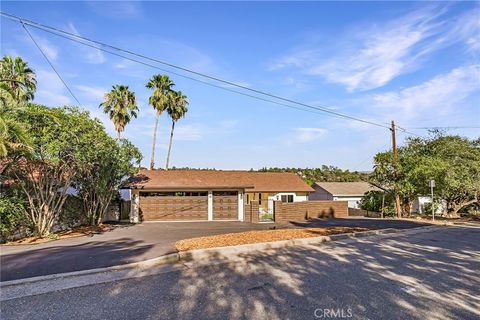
188 195
342 191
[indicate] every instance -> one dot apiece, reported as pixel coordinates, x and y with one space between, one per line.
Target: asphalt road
427 275
133 243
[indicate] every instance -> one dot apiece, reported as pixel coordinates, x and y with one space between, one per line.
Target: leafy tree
121 106
376 200
69 150
161 86
12 213
45 174
452 161
177 108
322 174
17 86
13 134
17 78
104 164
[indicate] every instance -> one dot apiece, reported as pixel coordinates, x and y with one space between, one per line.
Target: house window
173 194
248 199
259 199
287 198
225 193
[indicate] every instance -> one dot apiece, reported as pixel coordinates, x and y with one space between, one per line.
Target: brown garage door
173 206
225 205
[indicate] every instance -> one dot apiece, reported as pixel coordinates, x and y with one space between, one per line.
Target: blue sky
416 63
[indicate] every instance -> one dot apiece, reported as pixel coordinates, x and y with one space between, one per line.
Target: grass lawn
234 239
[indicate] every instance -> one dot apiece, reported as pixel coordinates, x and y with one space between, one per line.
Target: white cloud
303 135
188 133
92 56
372 58
92 93
439 94
50 50
50 90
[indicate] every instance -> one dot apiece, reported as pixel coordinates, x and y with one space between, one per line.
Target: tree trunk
397 206
456 207
170 144
152 159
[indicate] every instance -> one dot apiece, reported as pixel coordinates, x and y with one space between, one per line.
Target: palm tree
18 78
177 107
13 135
120 105
161 85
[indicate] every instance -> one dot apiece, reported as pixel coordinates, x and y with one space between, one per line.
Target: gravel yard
234 239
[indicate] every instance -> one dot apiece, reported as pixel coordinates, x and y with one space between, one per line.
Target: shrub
12 216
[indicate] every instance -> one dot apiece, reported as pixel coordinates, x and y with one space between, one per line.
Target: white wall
419 203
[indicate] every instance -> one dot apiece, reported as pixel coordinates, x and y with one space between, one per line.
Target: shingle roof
347 188
219 179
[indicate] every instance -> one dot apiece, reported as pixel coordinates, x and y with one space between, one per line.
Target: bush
427 208
12 216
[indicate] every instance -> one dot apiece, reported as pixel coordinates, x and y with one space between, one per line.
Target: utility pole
432 185
394 148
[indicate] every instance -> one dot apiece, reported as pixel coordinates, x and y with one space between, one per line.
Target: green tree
69 150
177 108
323 174
45 174
12 213
17 78
13 134
452 161
161 86
103 165
121 106
16 87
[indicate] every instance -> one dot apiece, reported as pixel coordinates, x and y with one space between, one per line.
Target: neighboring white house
418 205
354 191
342 191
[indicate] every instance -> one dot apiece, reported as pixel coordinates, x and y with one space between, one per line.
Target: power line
50 63
447 128
71 37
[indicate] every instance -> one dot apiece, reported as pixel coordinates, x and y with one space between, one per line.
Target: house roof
346 188
253 181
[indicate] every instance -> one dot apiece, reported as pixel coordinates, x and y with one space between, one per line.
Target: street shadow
401 277
59 259
357 222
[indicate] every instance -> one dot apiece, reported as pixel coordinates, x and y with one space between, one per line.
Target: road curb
22 285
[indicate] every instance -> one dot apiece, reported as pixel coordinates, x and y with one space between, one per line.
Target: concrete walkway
127 244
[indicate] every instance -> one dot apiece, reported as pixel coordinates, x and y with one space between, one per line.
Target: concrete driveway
426 275
133 243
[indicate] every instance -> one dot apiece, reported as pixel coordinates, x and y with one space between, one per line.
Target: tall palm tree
120 105
177 108
18 78
161 86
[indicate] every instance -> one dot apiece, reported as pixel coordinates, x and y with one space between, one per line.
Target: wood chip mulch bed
77 232
234 239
